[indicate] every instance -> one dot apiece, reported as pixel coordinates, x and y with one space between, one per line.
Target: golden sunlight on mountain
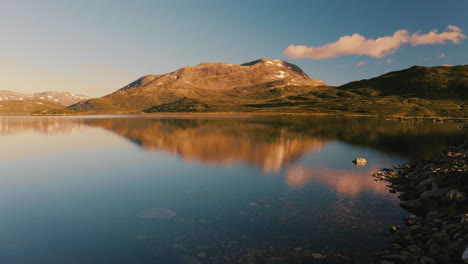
222 149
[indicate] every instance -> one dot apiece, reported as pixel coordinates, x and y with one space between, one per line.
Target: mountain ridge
276 86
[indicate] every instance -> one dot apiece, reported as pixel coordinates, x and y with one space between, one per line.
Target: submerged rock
157 213
465 255
426 260
436 193
411 204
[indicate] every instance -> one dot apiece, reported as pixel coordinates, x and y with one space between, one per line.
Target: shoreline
434 190
434 119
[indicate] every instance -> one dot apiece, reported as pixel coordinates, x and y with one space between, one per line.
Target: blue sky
96 47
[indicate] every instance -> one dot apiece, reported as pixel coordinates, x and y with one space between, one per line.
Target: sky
95 47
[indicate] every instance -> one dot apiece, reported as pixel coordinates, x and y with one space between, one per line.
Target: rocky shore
430 119
434 190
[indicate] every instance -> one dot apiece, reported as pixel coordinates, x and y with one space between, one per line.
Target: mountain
61 98
418 81
214 84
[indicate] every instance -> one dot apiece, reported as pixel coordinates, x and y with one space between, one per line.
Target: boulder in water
360 161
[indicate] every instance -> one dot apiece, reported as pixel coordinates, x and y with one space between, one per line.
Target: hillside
217 84
27 106
61 98
417 81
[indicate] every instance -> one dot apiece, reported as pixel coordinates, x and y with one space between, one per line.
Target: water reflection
267 142
345 182
22 137
46 125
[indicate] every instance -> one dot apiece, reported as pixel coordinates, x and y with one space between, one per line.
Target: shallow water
213 189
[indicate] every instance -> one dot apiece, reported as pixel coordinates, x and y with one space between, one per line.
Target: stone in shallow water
411 204
465 255
426 260
360 161
156 213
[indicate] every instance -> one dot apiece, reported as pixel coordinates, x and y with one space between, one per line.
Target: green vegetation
327 100
184 105
27 106
61 111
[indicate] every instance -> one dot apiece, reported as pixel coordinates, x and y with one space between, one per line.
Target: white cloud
348 45
357 44
454 35
361 63
390 61
442 55
454 28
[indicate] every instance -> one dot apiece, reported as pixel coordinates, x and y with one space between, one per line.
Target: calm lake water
186 189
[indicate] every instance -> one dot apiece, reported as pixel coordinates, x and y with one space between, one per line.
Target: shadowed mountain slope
417 81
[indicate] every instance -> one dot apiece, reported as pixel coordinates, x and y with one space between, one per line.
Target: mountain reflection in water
267 142
271 143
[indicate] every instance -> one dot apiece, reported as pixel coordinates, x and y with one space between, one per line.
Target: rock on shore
435 191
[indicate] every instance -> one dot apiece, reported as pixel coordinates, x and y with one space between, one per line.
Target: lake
202 189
